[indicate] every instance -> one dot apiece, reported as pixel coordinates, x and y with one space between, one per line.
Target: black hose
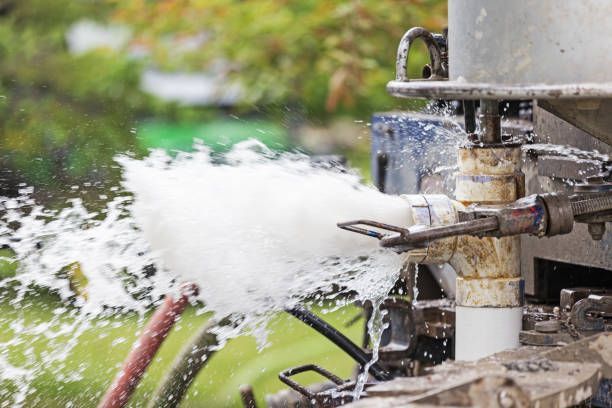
339 340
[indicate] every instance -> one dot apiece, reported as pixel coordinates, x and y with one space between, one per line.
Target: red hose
145 348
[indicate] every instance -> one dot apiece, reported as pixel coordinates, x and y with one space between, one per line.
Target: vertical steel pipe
490 124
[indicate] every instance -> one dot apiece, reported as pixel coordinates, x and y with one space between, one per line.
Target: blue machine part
603 396
414 152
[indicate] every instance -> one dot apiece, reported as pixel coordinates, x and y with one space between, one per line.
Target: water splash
376 325
254 229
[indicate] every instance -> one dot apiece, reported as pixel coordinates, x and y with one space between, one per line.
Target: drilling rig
520 248
517 251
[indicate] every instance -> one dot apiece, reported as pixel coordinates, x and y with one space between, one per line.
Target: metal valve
540 215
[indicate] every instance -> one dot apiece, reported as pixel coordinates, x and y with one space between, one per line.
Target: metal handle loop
403 50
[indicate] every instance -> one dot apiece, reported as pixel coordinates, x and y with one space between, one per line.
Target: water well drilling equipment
522 251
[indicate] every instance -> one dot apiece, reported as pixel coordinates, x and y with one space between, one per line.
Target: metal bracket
324 399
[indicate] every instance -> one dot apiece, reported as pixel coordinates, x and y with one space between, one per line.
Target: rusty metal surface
529 376
413 238
488 268
594 349
487 188
589 313
560 214
576 248
473 91
569 296
489 174
497 292
535 338
438 63
486 257
489 160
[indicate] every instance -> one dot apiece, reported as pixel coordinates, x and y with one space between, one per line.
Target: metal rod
414 239
352 226
490 122
247 396
404 239
593 203
469 116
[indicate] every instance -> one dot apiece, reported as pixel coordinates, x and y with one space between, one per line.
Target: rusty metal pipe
407 241
145 348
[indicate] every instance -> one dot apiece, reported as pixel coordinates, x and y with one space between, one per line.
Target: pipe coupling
559 214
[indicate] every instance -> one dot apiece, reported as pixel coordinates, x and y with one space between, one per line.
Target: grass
100 350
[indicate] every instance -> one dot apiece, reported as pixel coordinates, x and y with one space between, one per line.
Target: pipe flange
560 215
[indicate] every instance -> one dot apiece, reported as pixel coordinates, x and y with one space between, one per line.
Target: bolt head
505 399
597 230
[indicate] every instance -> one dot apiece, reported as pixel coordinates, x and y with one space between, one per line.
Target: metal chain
572 329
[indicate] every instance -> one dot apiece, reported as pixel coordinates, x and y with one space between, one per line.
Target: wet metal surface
526 377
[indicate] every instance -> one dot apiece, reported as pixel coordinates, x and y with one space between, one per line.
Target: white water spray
259 228
255 230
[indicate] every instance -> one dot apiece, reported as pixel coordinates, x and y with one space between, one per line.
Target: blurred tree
62 116
328 56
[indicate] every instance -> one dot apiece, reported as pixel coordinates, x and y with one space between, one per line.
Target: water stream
256 230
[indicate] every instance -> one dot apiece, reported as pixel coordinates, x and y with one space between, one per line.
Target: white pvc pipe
482 331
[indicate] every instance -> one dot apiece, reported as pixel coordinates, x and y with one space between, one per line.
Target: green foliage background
331 57
63 117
